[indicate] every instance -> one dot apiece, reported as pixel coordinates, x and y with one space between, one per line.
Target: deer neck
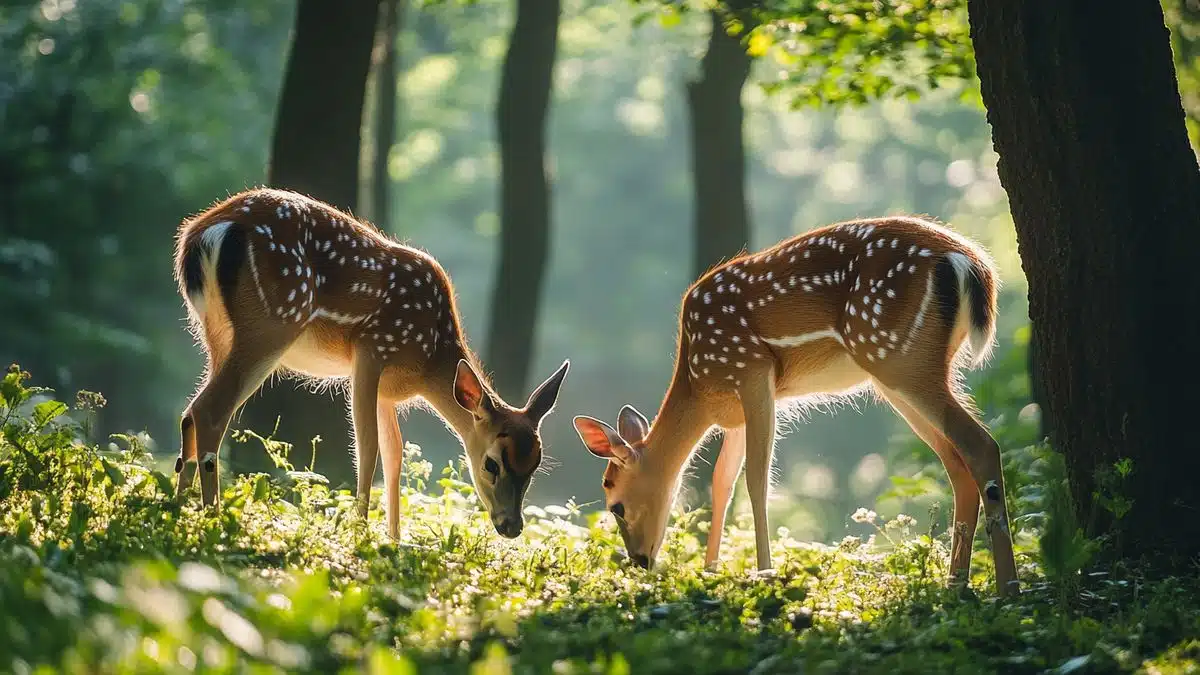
439 389
678 428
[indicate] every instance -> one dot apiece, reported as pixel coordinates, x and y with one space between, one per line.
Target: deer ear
542 400
632 424
469 391
602 440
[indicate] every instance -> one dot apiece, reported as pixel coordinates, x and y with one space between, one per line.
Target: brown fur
821 315
312 290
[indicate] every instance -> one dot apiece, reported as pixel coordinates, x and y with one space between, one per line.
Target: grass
102 572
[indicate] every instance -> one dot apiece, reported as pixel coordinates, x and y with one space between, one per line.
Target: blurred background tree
315 150
522 106
120 119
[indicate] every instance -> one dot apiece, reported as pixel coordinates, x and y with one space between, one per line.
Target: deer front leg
729 465
392 447
758 405
364 397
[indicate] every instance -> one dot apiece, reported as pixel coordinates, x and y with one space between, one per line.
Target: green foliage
1183 18
120 119
848 52
1111 493
101 571
1064 547
855 51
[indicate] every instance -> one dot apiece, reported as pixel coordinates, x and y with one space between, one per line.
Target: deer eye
608 484
618 510
502 434
490 466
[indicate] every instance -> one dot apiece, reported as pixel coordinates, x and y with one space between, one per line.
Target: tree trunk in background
721 221
1105 194
315 151
721 218
390 22
521 112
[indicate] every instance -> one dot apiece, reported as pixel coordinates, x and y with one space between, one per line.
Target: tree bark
1105 194
718 154
315 150
521 111
721 221
390 23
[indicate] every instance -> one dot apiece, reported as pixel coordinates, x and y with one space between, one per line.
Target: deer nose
641 560
508 527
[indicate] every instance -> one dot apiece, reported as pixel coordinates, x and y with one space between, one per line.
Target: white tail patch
980 339
210 244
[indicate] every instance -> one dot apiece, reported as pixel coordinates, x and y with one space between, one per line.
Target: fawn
885 304
274 280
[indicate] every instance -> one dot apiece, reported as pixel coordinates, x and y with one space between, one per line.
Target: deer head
503 445
636 487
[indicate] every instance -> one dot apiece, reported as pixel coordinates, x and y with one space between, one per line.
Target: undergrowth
101 571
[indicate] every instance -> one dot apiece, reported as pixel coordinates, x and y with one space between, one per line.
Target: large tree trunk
315 150
1105 194
718 154
721 221
521 111
390 27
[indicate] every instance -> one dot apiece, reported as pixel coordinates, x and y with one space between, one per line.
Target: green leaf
165 486
47 411
262 488
114 474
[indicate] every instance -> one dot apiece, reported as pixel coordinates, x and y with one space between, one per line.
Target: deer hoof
210 462
179 464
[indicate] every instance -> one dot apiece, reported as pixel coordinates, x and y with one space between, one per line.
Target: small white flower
863 515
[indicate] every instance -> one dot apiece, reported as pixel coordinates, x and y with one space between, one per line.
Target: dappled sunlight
869 473
641 117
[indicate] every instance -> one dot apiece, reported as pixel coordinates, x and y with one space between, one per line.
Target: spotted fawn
894 305
277 281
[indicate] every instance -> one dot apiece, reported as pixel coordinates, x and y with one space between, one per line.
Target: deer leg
729 465
188 459
981 454
965 518
186 463
391 444
207 417
758 405
364 399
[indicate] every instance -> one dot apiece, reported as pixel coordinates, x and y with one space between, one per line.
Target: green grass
102 572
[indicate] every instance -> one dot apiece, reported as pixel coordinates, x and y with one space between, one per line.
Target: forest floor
102 572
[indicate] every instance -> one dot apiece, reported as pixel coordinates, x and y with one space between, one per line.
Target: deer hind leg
981 454
729 465
206 419
758 405
364 400
391 444
965 518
